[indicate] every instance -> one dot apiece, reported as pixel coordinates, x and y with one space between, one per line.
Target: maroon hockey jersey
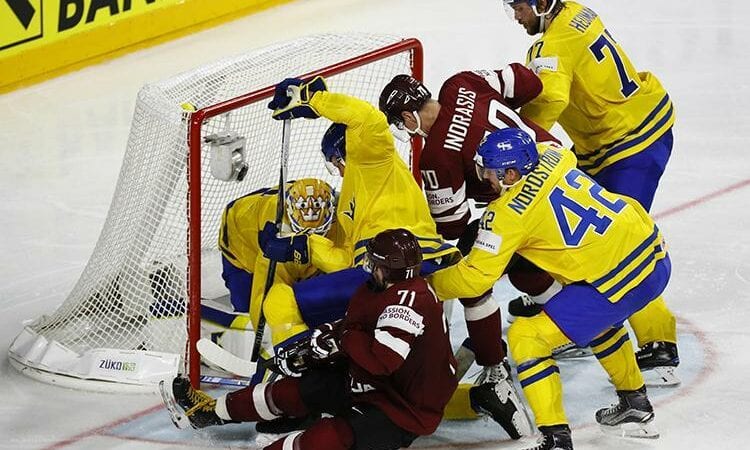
400 353
472 104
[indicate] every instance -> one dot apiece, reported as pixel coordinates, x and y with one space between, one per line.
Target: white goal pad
137 302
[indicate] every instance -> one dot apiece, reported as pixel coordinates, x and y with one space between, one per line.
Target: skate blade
573 353
632 430
661 377
179 419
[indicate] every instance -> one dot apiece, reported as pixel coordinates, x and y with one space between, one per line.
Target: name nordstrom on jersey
534 181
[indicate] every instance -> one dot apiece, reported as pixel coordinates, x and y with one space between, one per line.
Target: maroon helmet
402 93
397 253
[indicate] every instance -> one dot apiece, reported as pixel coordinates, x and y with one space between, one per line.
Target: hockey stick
225 359
285 136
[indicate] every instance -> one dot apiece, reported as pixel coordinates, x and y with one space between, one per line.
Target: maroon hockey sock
266 401
485 329
286 397
250 404
330 434
533 281
486 339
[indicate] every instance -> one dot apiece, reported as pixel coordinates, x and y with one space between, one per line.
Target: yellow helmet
310 206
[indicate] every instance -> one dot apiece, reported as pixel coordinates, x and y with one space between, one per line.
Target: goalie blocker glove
283 249
292 96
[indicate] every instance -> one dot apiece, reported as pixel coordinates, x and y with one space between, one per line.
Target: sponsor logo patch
488 241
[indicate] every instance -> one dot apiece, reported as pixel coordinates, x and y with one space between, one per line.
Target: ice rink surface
63 143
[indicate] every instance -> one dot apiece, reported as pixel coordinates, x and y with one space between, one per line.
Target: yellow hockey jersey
608 109
241 221
565 223
378 191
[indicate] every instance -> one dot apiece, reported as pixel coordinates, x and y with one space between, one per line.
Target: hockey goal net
133 316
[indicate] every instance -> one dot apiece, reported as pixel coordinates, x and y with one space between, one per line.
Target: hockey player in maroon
470 106
385 372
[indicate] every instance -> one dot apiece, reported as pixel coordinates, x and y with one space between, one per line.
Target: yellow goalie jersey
241 221
608 109
378 191
565 223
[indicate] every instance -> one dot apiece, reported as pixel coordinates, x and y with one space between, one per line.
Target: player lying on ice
309 206
378 192
603 248
385 372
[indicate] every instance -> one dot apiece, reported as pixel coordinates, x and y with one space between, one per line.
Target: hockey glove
326 342
294 359
292 96
283 249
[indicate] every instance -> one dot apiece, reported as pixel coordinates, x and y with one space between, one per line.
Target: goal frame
197 118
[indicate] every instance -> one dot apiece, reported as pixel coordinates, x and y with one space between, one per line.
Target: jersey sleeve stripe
509 80
460 212
399 346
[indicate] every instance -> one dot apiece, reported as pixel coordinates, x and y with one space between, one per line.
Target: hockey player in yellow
378 192
309 208
605 250
620 121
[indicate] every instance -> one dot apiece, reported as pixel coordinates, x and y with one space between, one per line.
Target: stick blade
224 359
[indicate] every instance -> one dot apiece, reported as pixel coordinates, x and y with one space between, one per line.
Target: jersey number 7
628 86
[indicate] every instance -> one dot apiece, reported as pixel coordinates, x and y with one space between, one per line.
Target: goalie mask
396 252
310 206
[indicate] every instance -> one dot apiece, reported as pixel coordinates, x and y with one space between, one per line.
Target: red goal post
133 317
410 46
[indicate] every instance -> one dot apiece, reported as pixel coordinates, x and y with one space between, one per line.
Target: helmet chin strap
543 15
417 130
505 187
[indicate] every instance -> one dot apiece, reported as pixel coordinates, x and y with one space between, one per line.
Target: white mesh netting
132 293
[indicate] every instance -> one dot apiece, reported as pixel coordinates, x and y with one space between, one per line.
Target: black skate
496 396
197 406
658 361
556 437
522 306
632 416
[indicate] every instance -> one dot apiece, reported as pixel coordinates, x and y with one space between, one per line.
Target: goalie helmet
402 93
507 148
310 206
396 252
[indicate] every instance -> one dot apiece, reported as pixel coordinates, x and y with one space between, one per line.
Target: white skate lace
492 374
526 300
613 409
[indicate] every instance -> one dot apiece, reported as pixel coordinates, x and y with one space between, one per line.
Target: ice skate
632 416
571 351
556 437
197 406
496 396
658 361
522 306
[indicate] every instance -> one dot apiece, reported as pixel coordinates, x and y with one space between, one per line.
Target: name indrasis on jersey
459 127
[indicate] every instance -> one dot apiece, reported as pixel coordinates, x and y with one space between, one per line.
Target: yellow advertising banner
27 24
43 38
